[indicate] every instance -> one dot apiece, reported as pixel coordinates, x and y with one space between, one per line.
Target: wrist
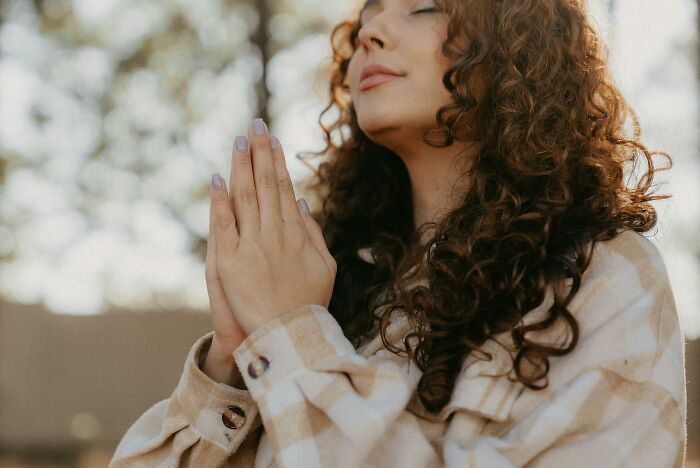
223 348
220 366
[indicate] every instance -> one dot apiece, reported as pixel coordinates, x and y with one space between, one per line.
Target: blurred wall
71 380
692 366
68 380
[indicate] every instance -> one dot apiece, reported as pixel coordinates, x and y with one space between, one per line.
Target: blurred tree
128 106
114 116
260 38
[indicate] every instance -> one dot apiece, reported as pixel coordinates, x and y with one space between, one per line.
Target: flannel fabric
312 400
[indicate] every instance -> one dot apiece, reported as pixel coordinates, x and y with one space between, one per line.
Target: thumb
315 233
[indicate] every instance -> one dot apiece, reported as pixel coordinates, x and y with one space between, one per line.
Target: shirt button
233 417
257 367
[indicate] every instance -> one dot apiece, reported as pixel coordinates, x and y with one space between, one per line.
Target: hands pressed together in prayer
265 256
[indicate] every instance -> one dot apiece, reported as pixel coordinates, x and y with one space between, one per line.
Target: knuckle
226 221
295 227
221 206
272 235
211 272
244 161
211 275
268 180
225 270
284 183
247 195
300 226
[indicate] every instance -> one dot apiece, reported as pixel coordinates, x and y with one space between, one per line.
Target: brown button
257 367
233 417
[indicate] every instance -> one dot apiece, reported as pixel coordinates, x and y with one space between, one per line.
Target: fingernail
241 144
258 126
274 142
303 205
217 182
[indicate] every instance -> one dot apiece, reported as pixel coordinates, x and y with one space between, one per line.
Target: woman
476 292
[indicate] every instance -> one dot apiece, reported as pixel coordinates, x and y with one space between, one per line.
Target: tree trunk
260 39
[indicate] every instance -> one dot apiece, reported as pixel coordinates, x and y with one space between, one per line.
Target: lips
376 79
373 75
372 69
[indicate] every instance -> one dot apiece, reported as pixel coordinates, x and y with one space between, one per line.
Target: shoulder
626 281
627 330
626 319
625 311
631 255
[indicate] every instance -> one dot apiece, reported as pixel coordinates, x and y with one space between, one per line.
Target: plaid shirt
313 400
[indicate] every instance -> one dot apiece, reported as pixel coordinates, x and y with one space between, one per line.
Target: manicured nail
303 205
274 142
241 144
258 126
217 182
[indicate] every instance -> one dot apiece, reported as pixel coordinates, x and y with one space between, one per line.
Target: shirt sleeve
203 423
323 404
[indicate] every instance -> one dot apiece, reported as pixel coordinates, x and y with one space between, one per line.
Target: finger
211 244
288 204
224 220
317 239
240 143
265 176
210 262
214 289
211 273
245 201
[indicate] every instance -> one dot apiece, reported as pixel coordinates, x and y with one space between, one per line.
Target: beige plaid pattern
617 400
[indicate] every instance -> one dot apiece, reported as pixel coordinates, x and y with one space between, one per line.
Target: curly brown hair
546 185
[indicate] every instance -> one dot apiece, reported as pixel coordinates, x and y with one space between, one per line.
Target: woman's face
405 36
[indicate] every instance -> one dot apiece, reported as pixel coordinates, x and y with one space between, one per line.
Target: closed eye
424 10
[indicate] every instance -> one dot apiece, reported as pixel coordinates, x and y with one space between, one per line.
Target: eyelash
424 10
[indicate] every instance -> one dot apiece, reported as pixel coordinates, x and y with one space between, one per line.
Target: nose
373 33
369 41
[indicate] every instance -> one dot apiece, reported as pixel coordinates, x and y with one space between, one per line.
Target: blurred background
113 116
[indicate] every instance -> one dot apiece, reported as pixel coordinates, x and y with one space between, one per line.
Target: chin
376 125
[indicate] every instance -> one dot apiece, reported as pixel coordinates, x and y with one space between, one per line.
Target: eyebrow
370 3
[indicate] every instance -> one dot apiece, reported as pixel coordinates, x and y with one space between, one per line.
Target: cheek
431 73
353 73
430 93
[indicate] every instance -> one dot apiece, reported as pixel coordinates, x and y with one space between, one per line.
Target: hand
228 333
271 258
